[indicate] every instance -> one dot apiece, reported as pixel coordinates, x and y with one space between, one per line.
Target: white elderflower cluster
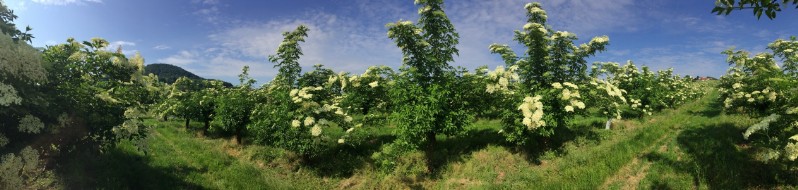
316 115
500 79
355 80
341 78
570 93
535 9
562 34
638 105
737 94
8 95
299 95
600 40
535 27
532 109
791 150
610 102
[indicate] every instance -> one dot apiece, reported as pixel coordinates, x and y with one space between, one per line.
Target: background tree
427 103
287 57
207 98
296 117
25 112
182 99
8 27
273 117
368 92
234 106
769 7
549 74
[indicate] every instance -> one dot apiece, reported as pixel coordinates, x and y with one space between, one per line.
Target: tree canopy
769 7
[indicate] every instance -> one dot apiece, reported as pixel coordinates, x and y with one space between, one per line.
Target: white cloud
162 47
18 6
127 47
115 44
210 11
65 2
182 58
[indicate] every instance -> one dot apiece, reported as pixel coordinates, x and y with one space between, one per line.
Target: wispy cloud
19 6
126 46
162 47
209 11
182 58
121 43
65 2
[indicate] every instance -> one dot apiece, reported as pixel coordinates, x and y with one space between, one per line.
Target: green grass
695 146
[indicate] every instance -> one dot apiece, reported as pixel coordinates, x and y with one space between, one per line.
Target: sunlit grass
693 146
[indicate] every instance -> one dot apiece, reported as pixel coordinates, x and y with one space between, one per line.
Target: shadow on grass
714 108
717 161
457 149
342 160
117 169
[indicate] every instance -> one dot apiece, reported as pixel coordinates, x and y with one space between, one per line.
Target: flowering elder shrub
315 114
319 76
368 92
608 98
485 90
678 89
181 100
548 73
747 85
647 91
428 102
758 86
499 80
643 94
206 99
104 88
235 105
295 117
272 117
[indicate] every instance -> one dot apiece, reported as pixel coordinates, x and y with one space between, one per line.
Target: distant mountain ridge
168 73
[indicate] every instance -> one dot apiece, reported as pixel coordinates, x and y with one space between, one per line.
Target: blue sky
215 38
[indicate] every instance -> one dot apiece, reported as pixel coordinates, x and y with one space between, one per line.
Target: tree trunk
207 126
238 135
187 122
431 141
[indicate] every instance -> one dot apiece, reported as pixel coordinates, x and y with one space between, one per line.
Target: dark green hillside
169 73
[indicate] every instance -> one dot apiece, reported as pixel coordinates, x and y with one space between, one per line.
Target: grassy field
695 146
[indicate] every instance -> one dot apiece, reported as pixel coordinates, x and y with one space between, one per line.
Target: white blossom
556 85
315 130
309 121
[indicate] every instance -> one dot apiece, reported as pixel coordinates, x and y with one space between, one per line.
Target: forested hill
170 73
